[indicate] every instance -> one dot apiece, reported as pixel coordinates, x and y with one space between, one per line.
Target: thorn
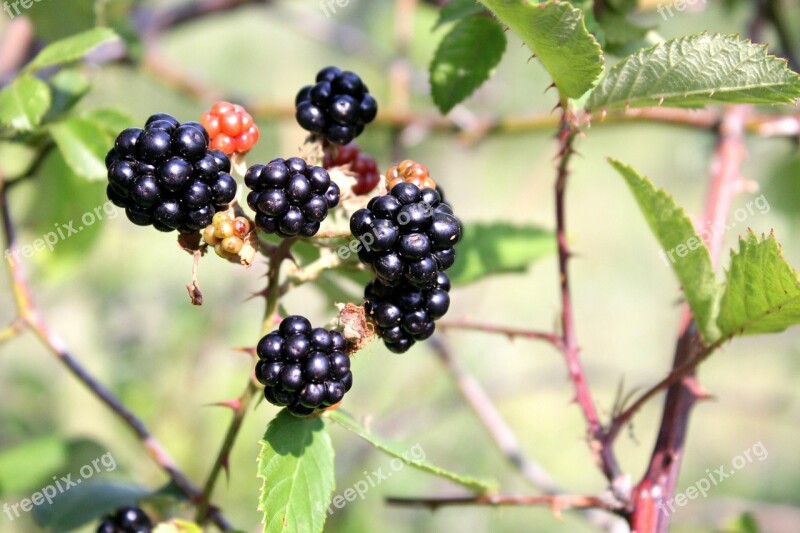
558 105
531 58
227 467
234 404
551 86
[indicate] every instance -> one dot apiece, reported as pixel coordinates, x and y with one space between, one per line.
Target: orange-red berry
230 128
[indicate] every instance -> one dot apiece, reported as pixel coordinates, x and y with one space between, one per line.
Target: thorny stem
556 503
241 405
30 318
567 133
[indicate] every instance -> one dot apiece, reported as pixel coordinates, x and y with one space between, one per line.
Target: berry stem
12 330
310 272
31 318
509 332
272 295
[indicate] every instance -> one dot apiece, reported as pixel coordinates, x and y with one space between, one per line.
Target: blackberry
126 520
405 314
407 235
290 197
164 175
337 106
362 165
303 368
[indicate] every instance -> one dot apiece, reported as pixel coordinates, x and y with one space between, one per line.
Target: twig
492 420
12 330
310 272
29 314
569 342
509 332
658 483
556 502
241 407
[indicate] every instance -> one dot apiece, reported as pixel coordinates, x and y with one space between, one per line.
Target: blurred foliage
116 291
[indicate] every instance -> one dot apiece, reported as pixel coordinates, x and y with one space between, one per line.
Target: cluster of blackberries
303 368
362 165
407 235
338 106
290 197
405 314
126 520
166 176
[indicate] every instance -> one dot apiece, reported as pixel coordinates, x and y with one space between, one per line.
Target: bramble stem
242 404
30 317
556 502
511 333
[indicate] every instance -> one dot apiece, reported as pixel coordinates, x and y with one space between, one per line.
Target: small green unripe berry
220 217
209 237
232 245
224 229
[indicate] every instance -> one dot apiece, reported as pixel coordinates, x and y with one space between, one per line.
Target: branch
658 484
310 272
242 404
32 319
511 333
569 342
556 503
12 330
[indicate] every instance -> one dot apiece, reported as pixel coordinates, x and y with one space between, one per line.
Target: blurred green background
121 305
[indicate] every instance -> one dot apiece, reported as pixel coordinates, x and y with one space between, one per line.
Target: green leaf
413 456
71 48
16 158
695 71
68 87
85 502
684 249
499 248
110 119
620 32
68 220
84 146
557 35
762 294
54 24
457 10
23 103
23 466
465 59
296 464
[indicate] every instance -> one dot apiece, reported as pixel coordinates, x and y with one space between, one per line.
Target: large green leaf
84 502
762 294
683 249
457 10
465 59
414 456
24 102
68 87
110 119
695 71
557 35
71 48
84 146
23 466
498 248
68 220
296 464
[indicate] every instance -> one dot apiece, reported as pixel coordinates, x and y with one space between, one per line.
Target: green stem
272 295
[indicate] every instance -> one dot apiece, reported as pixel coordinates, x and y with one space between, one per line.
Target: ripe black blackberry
337 107
405 314
303 368
126 520
290 197
407 235
164 175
